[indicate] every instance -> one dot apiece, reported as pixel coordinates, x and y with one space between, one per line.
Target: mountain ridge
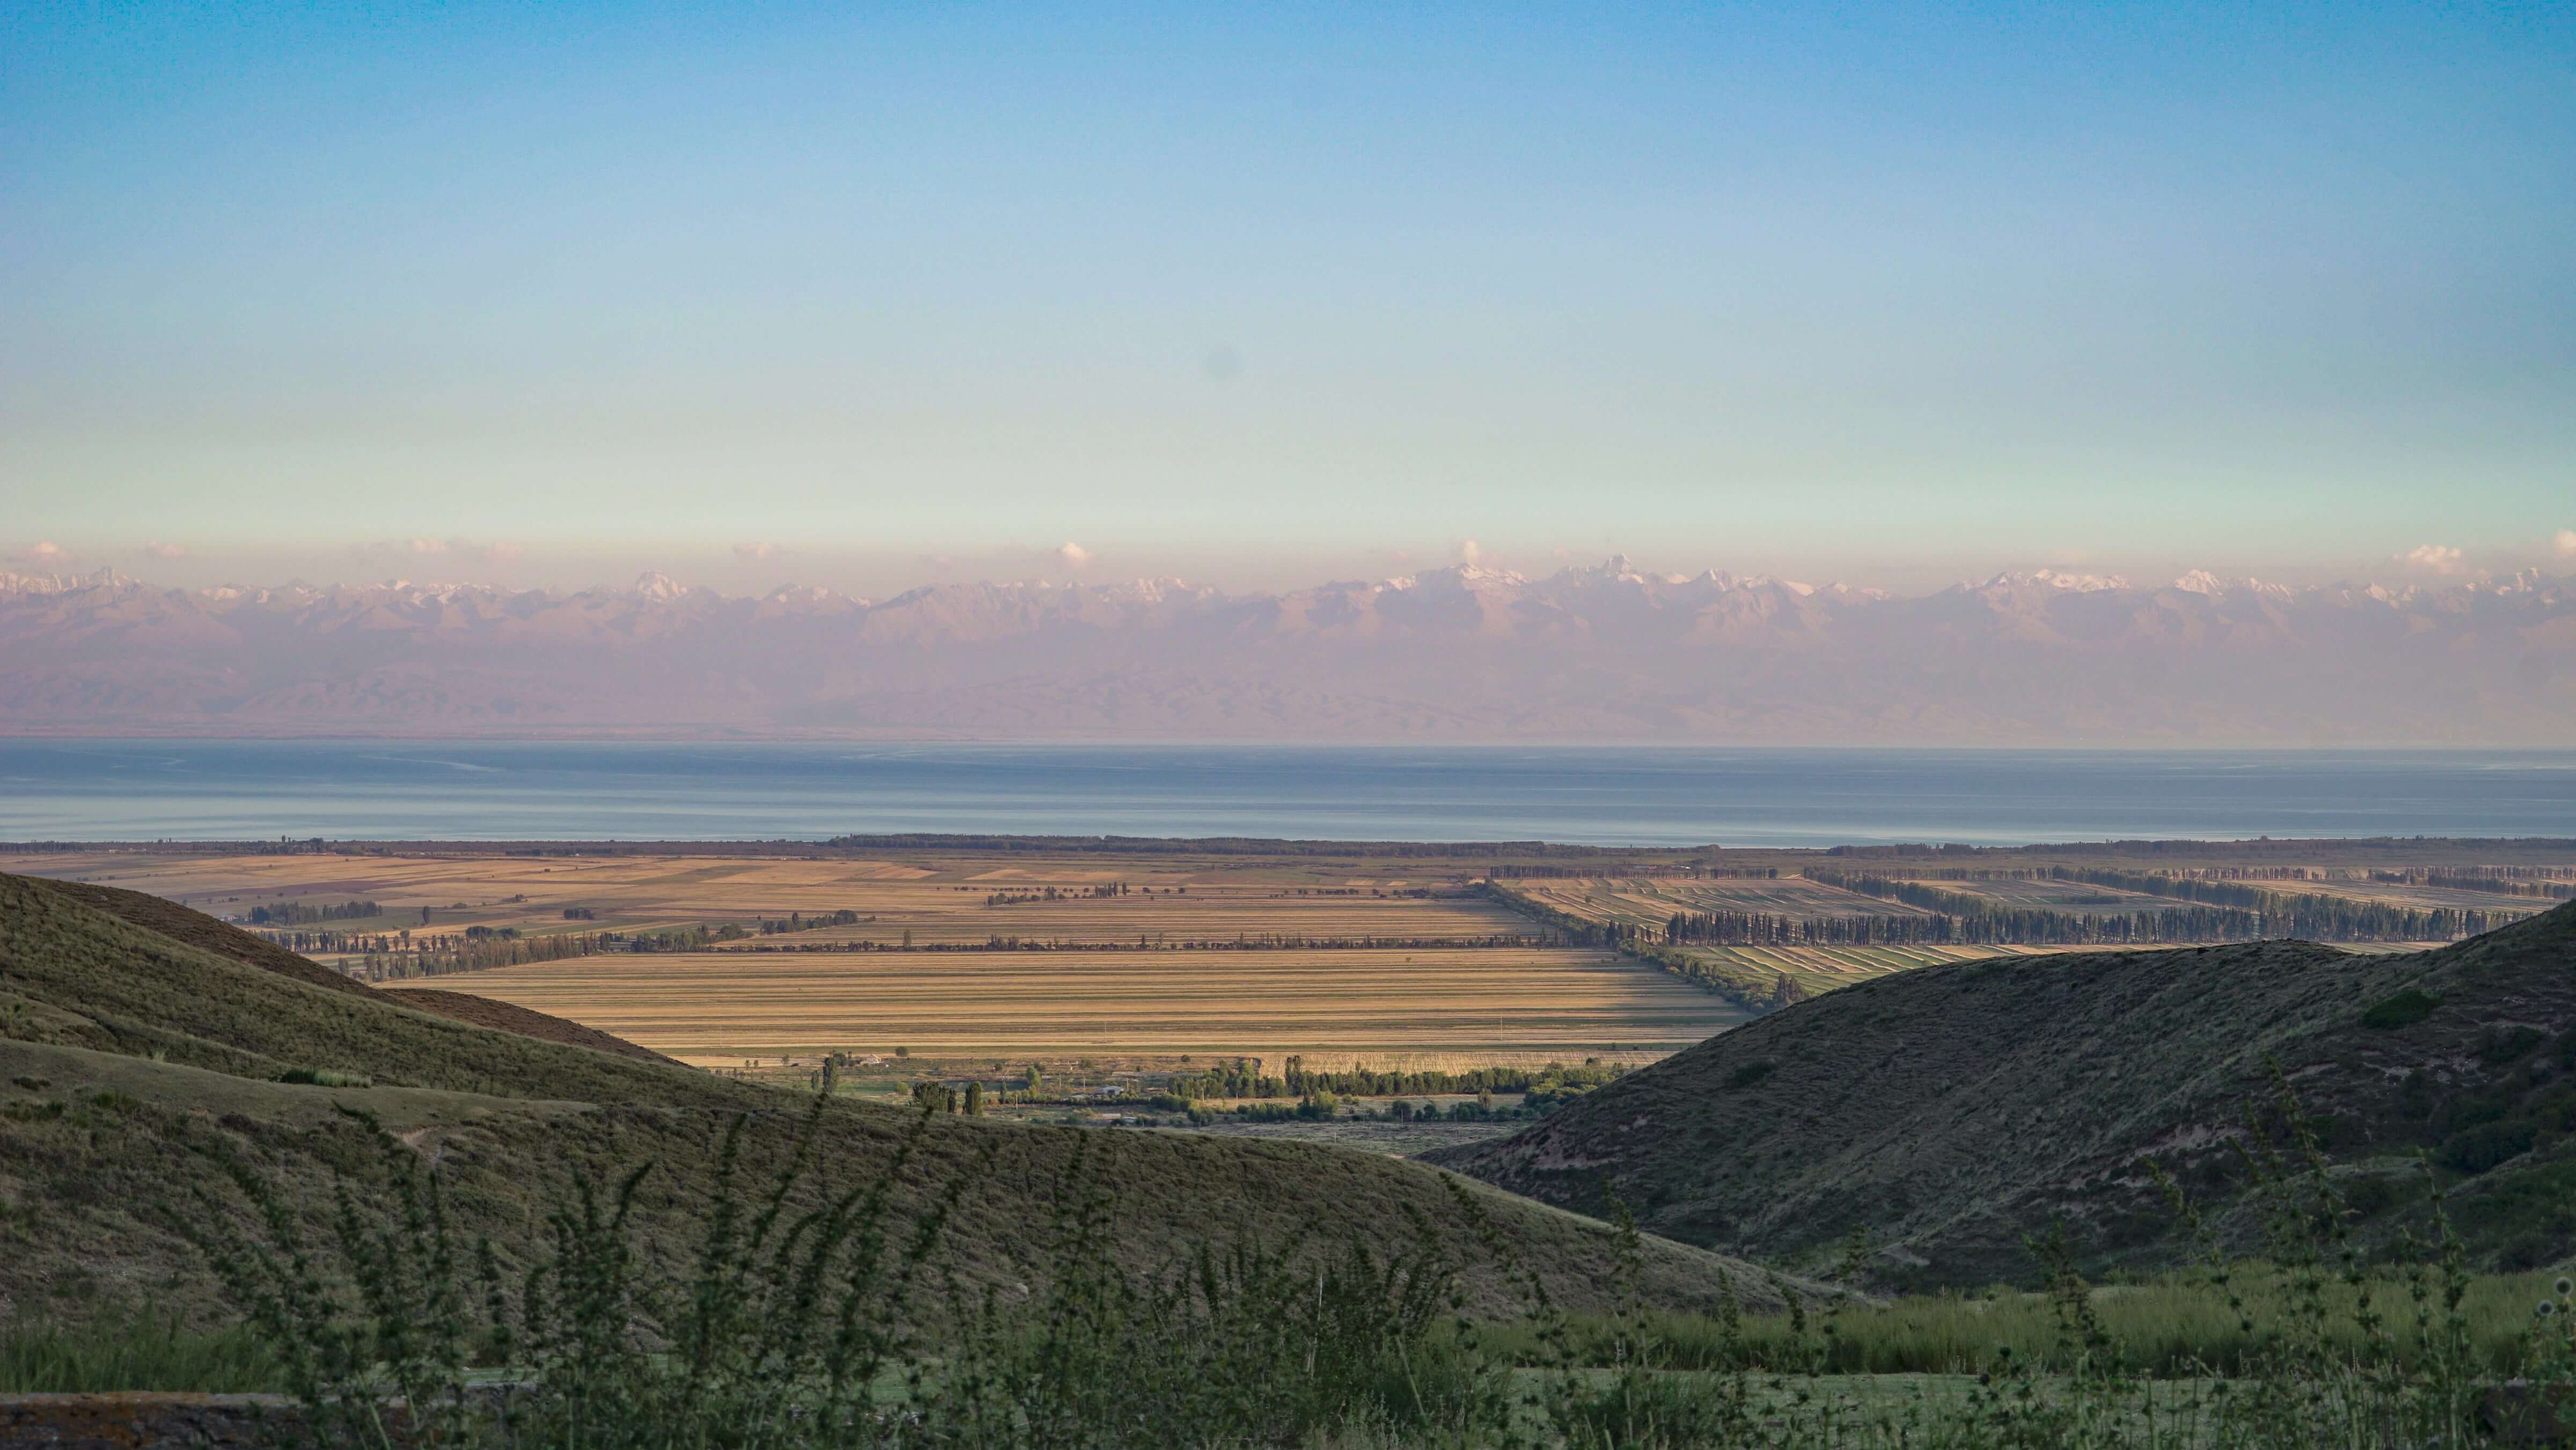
1599 653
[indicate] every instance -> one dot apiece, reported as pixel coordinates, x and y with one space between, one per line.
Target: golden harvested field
1455 1005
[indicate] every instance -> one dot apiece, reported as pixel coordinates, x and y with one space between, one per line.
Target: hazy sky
1845 290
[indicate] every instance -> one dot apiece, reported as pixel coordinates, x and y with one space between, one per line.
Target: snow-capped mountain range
1600 653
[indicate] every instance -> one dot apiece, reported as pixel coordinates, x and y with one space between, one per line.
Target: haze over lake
416 790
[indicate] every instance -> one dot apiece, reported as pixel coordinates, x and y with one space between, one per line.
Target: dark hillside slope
1945 1113
132 1064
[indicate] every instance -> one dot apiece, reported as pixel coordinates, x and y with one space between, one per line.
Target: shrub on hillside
2403 1010
2475 1150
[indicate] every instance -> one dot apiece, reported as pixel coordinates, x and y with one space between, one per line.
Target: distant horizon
2393 574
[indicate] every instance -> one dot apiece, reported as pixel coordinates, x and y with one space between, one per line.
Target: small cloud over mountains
2564 544
502 551
757 553
46 554
1072 555
425 547
158 550
2433 558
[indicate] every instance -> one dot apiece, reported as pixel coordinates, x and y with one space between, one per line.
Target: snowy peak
658 587
2057 579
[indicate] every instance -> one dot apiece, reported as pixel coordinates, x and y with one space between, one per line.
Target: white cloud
47 553
1469 552
757 553
1072 555
502 551
2564 542
426 546
159 550
2432 558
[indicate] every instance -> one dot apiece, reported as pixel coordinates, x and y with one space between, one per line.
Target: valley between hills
1687 1105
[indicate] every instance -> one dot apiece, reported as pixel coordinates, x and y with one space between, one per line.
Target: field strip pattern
721 1008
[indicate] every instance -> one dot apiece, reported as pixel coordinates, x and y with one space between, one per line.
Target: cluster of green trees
297 913
947 1097
798 921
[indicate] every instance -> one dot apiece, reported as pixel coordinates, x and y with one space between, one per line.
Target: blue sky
1211 290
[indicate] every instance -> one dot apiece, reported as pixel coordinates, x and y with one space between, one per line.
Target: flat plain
1057 954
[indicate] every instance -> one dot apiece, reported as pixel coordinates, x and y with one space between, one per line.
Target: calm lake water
147 790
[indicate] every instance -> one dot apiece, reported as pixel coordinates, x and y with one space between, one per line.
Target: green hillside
1945 1113
138 1054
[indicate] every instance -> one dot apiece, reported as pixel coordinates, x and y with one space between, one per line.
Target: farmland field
1390 1008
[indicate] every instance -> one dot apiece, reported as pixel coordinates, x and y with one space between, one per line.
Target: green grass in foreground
2176 1326
842 1325
141 1352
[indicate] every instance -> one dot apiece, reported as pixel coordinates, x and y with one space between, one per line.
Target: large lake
413 790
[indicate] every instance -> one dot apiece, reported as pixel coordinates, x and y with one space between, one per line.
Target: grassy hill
142 1044
1942 1114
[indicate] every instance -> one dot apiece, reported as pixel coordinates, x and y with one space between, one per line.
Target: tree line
1158 942
1243 1077
1993 924
1103 892
403 955
2234 911
2307 915
2501 880
297 913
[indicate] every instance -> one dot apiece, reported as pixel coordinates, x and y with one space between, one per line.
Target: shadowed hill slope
133 1065
1943 1114
165 918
